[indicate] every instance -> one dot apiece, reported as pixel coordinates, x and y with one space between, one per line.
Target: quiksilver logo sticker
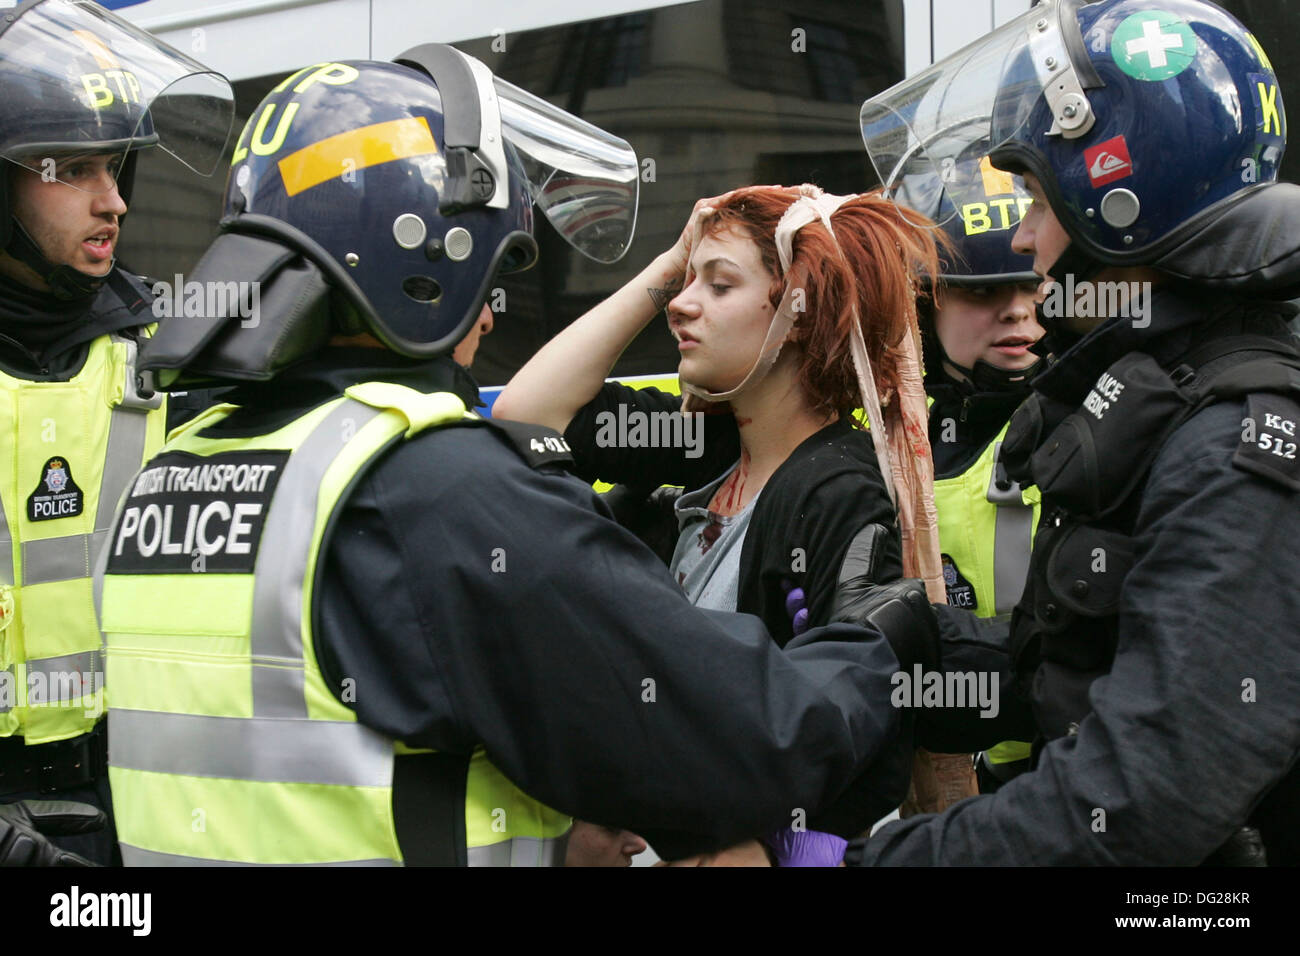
56 494
1108 161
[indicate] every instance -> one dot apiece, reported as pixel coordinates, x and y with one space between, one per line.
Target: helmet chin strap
64 281
1073 261
986 377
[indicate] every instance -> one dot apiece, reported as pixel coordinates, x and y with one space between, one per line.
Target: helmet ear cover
297 282
226 345
517 250
290 238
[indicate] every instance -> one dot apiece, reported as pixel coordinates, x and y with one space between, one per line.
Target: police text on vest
183 507
151 529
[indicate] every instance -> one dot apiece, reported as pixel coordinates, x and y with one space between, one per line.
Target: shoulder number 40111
542 445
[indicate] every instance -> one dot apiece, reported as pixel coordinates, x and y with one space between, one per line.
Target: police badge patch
56 494
960 591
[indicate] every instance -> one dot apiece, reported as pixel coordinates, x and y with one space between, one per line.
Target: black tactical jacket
1156 652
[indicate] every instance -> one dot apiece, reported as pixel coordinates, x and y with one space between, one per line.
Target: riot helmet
79 81
406 188
1152 128
979 208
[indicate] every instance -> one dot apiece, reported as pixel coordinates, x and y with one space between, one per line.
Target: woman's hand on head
680 254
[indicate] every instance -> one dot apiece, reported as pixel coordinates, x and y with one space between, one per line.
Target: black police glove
24 826
900 610
855 852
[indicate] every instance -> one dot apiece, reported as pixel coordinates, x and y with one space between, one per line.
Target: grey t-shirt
706 562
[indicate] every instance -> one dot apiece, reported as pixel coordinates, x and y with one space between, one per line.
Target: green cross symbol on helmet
1153 45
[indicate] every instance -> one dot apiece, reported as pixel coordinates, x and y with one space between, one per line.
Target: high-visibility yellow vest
986 533
227 743
69 449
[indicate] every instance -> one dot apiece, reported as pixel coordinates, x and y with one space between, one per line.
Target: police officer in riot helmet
81 93
454 646
1154 646
980 333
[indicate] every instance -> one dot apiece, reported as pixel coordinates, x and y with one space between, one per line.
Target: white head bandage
811 206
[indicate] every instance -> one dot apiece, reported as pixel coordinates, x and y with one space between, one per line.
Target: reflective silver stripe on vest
251 748
135 856
57 676
61 679
73 556
521 851
1013 538
59 559
281 572
128 431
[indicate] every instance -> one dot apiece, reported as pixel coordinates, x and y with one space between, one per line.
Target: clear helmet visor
583 179
917 132
84 87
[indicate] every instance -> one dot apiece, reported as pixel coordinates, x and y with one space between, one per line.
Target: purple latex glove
806 848
796 606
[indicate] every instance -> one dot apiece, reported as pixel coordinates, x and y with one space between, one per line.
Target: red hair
877 266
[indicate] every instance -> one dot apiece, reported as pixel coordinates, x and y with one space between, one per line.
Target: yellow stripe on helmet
355 149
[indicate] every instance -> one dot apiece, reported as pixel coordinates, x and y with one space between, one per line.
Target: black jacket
44 339
964 421
478 601
810 509
1195 725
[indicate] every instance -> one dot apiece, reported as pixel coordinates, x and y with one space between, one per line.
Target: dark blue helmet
1180 114
348 164
979 207
1155 130
411 185
387 198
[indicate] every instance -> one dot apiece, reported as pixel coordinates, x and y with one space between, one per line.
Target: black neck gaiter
38 320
